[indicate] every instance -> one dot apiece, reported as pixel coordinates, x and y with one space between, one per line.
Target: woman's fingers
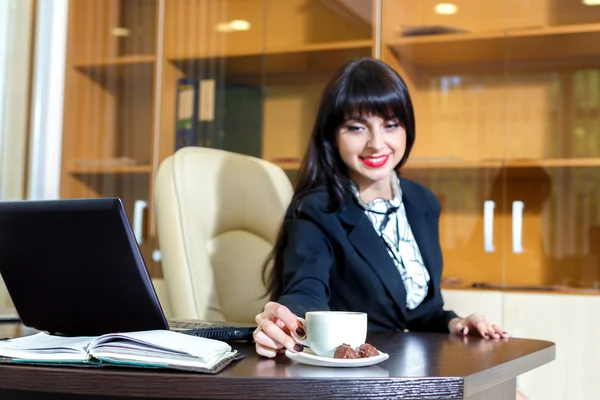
491 331
276 334
479 325
482 328
266 351
283 314
264 340
272 334
461 329
488 329
500 333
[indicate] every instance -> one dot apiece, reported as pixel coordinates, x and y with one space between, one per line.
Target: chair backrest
218 214
5 300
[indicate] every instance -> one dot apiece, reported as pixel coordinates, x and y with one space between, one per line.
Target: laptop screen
73 267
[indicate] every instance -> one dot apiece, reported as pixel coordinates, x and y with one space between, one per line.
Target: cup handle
302 340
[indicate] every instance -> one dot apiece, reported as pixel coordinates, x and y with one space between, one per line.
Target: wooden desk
421 366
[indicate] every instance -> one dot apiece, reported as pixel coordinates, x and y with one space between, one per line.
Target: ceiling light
591 2
239 25
447 8
234 25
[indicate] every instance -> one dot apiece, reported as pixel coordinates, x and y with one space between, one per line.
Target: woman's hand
273 332
476 324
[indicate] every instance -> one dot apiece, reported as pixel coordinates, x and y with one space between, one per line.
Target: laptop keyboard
194 325
214 329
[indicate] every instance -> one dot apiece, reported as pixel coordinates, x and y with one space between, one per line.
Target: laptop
74 268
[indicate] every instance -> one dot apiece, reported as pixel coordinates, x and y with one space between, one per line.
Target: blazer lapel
367 242
422 224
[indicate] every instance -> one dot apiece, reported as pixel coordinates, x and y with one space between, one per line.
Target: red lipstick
375 162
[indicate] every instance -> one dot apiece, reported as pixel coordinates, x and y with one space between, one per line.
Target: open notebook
146 349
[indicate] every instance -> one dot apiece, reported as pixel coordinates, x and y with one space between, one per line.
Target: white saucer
309 358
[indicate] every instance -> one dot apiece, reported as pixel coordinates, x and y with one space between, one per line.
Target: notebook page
46 347
174 342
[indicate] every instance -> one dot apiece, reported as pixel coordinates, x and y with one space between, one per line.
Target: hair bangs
367 94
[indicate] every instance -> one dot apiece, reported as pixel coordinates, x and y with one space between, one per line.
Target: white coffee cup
326 330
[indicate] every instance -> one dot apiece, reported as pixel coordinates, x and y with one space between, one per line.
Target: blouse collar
378 203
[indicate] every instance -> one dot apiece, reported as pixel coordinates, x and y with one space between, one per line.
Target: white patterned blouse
389 221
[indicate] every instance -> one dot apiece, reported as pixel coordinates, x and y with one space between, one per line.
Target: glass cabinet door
109 111
257 67
553 167
456 81
211 75
245 75
211 71
305 42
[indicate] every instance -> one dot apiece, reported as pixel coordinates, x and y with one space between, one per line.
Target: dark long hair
365 86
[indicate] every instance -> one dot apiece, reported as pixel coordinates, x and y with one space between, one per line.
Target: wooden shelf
331 46
314 59
542 290
451 164
116 61
111 169
460 164
548 163
572 42
555 163
131 68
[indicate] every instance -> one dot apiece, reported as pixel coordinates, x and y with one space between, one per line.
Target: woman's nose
375 140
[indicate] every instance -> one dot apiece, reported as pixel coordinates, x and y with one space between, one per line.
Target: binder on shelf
187 121
212 114
239 119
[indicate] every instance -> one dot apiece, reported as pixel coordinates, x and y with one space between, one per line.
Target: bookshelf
295 48
570 44
503 105
125 57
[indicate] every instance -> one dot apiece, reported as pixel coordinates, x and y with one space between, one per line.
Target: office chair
218 214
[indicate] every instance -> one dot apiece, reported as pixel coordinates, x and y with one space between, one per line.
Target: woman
357 236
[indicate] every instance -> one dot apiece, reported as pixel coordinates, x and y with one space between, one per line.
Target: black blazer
337 261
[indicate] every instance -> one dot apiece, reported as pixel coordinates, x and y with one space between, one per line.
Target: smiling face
371 147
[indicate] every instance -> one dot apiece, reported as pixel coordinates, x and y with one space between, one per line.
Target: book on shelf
143 349
188 120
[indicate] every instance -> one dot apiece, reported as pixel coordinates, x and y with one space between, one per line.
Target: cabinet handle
517 226
138 220
488 226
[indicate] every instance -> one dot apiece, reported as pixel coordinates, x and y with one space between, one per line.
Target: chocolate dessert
345 351
366 350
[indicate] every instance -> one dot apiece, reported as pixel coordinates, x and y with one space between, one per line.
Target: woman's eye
391 126
354 128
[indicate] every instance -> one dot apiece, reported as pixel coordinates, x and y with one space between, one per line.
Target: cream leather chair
218 214
5 300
